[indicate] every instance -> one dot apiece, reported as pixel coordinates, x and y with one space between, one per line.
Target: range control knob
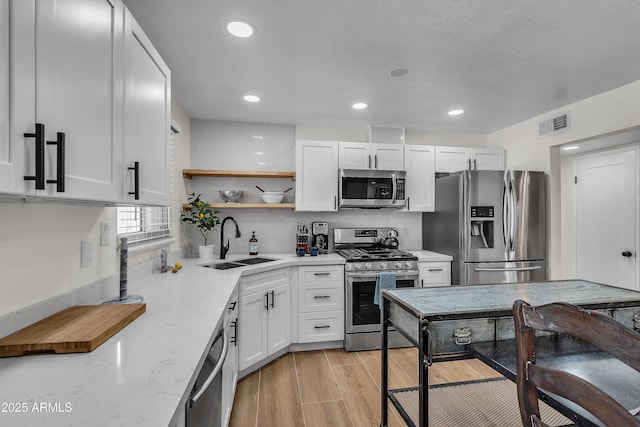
357 266
367 265
407 264
398 265
383 265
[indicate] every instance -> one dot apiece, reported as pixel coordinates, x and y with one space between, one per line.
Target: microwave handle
394 181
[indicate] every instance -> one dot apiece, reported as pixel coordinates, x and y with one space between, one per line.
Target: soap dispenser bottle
253 244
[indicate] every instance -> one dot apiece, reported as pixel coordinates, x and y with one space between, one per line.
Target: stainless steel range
370 251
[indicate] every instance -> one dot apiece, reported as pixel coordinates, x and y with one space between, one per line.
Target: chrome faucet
225 248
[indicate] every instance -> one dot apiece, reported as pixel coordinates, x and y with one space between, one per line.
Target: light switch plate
105 229
86 253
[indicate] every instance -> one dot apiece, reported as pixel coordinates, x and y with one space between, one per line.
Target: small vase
205 252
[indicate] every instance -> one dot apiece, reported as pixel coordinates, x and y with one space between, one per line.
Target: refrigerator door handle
505 214
513 210
535 267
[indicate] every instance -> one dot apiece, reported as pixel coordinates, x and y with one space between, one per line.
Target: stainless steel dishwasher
204 407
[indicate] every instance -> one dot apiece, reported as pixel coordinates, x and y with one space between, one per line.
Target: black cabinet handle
321 297
273 299
626 254
39 176
232 306
267 306
60 143
234 338
322 327
136 180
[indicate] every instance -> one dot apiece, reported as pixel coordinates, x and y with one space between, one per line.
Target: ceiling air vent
556 124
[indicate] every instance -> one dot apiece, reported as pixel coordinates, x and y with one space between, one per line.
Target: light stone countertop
424 255
142 375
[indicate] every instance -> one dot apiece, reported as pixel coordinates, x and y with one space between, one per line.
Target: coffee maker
320 236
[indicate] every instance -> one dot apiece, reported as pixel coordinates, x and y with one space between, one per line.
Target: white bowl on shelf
272 196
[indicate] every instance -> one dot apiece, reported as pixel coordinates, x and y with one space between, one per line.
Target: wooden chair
590 326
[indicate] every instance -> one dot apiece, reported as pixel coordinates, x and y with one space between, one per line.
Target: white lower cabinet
264 324
320 303
434 274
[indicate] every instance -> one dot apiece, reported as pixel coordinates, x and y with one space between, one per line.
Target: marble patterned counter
142 375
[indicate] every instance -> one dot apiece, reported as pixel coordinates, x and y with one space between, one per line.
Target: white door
5 153
606 218
388 156
147 118
252 330
355 155
78 72
279 318
452 159
488 159
316 176
420 183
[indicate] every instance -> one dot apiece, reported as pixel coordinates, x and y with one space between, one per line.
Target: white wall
596 117
40 242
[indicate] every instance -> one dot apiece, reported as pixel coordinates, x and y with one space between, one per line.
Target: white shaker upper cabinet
67 72
488 158
454 159
147 119
360 155
316 175
420 182
6 179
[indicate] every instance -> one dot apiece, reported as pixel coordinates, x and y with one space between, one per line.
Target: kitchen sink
257 260
239 263
225 265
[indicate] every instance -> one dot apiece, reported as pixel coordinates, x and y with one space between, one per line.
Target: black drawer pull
322 327
322 296
322 274
39 176
60 144
436 269
232 306
136 181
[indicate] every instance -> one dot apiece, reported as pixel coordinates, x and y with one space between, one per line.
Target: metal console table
442 322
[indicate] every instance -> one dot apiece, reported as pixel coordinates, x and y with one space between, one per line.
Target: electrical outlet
86 253
105 229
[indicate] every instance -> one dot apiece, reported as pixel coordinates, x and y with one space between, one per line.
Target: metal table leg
424 361
384 362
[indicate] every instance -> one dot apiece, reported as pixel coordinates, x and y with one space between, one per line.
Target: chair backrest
591 326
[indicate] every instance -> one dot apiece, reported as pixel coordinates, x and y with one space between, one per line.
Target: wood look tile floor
335 388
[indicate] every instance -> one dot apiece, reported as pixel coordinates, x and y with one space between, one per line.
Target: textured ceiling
502 61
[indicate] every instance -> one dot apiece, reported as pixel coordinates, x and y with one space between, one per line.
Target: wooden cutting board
78 329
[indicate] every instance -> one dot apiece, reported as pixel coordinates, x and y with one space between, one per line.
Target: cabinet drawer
321 273
317 327
263 281
435 274
450 338
320 297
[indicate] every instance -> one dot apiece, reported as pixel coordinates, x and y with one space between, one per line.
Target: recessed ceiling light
259 153
456 112
359 106
240 28
261 163
252 98
399 72
570 147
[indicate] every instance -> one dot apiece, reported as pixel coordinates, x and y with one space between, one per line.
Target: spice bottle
253 244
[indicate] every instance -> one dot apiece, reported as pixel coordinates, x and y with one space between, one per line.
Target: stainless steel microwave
361 188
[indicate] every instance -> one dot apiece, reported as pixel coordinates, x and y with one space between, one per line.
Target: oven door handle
205 386
399 276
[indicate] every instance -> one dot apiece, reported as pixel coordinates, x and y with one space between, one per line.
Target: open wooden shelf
291 206
190 173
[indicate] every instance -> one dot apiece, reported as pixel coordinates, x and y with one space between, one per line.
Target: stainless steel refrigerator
493 224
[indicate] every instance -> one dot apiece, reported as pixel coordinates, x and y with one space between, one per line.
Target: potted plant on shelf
203 217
